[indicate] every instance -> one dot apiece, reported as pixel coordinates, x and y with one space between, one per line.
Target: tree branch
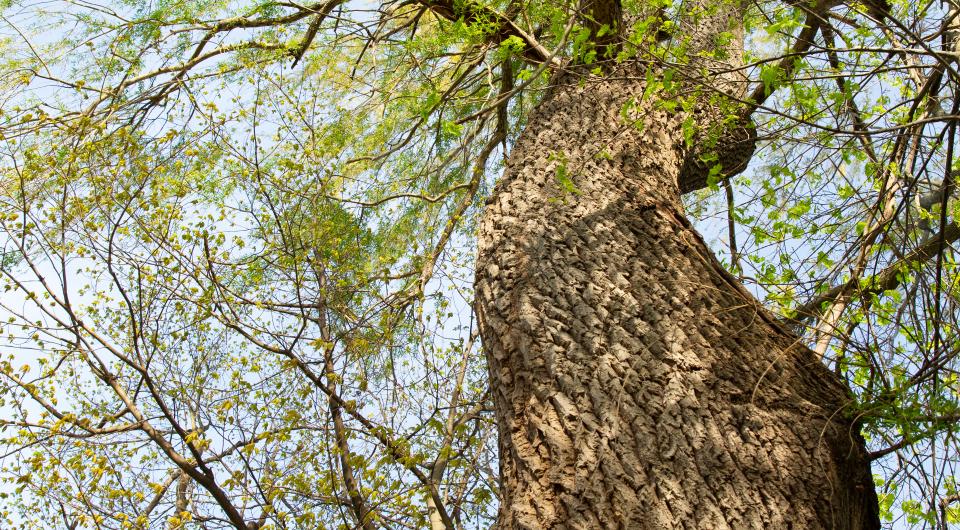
889 278
472 13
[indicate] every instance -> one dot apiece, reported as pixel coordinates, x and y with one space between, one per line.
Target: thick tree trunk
636 383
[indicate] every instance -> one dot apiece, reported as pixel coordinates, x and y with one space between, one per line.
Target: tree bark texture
636 383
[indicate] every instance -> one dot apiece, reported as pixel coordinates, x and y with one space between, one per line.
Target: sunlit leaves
254 210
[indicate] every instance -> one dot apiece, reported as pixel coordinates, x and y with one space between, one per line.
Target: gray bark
636 383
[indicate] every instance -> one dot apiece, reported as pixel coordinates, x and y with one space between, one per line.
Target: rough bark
636 383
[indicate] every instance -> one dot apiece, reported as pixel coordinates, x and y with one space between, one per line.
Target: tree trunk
636 383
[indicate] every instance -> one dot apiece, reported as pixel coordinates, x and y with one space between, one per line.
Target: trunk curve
636 384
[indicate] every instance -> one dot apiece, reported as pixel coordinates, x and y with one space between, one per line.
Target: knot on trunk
717 155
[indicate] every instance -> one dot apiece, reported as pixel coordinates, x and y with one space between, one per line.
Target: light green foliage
209 250
226 230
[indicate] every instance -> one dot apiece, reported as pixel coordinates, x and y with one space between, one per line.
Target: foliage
237 243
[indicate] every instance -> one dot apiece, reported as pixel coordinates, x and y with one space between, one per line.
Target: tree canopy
238 238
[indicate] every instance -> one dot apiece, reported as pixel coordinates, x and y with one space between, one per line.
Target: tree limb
889 278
